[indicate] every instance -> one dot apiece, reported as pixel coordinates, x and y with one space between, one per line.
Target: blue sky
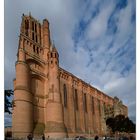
96 41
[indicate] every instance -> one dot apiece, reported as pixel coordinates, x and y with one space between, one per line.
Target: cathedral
50 100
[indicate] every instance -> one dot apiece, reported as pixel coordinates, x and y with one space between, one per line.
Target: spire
53 48
30 14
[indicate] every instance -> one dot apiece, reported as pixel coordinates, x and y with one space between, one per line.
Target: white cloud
98 25
124 24
7 119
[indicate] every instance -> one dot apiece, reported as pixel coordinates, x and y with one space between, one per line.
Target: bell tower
38 109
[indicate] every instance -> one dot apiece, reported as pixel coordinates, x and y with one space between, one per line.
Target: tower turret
55 120
22 122
46 34
46 37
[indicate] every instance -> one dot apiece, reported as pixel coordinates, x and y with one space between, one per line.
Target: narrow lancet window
85 102
37 50
36 38
32 25
34 48
93 111
104 107
65 95
76 100
51 55
35 28
99 107
33 35
26 27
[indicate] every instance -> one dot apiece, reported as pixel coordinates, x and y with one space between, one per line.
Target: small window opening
35 28
34 48
36 38
51 55
26 27
33 36
26 32
55 55
32 25
37 50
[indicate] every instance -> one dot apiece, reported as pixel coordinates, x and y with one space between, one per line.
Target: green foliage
7 103
121 124
110 122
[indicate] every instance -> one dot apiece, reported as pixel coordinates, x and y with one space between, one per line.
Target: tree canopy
8 103
121 123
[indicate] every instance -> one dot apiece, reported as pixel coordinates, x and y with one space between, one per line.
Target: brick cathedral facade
50 100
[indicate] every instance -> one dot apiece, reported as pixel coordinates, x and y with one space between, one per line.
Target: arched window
65 95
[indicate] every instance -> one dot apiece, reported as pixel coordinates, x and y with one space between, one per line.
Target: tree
121 123
8 103
131 127
110 122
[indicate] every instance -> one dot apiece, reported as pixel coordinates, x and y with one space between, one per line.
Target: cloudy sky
95 39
